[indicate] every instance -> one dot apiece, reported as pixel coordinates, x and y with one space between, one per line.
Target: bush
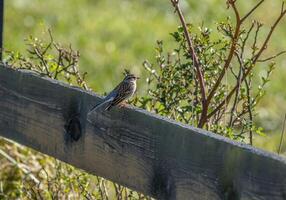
207 80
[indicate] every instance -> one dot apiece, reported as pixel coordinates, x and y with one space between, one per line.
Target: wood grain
137 149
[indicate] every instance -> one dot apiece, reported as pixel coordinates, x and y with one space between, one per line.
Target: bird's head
131 77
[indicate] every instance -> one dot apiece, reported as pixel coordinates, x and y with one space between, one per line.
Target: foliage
48 59
206 81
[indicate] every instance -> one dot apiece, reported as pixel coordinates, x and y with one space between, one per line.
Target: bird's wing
122 93
107 100
113 93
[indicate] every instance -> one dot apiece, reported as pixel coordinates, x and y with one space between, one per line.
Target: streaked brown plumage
123 91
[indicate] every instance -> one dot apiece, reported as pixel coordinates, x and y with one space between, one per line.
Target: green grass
112 35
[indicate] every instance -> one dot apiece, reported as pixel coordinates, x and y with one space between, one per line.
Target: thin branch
40 56
252 10
259 25
272 57
194 57
238 79
231 52
50 43
245 39
282 14
58 62
191 48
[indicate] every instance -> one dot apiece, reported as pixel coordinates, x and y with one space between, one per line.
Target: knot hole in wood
73 127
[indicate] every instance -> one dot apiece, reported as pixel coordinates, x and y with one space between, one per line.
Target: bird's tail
108 106
105 104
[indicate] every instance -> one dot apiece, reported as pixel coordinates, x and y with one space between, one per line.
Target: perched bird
123 91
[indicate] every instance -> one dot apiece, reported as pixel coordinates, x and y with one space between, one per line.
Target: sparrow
122 92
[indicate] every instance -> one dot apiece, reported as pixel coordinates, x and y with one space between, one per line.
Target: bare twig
252 10
246 38
238 80
272 57
50 43
40 56
259 25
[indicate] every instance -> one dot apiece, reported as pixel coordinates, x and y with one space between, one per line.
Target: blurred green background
112 35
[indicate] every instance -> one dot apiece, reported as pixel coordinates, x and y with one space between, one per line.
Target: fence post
1 26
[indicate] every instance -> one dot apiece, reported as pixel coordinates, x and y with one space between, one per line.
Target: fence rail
140 150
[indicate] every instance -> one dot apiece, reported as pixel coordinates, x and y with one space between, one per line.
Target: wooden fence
143 151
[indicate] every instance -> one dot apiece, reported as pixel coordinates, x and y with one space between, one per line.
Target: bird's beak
137 77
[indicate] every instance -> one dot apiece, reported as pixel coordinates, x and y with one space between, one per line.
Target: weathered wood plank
143 151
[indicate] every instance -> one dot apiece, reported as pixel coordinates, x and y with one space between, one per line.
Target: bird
122 92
